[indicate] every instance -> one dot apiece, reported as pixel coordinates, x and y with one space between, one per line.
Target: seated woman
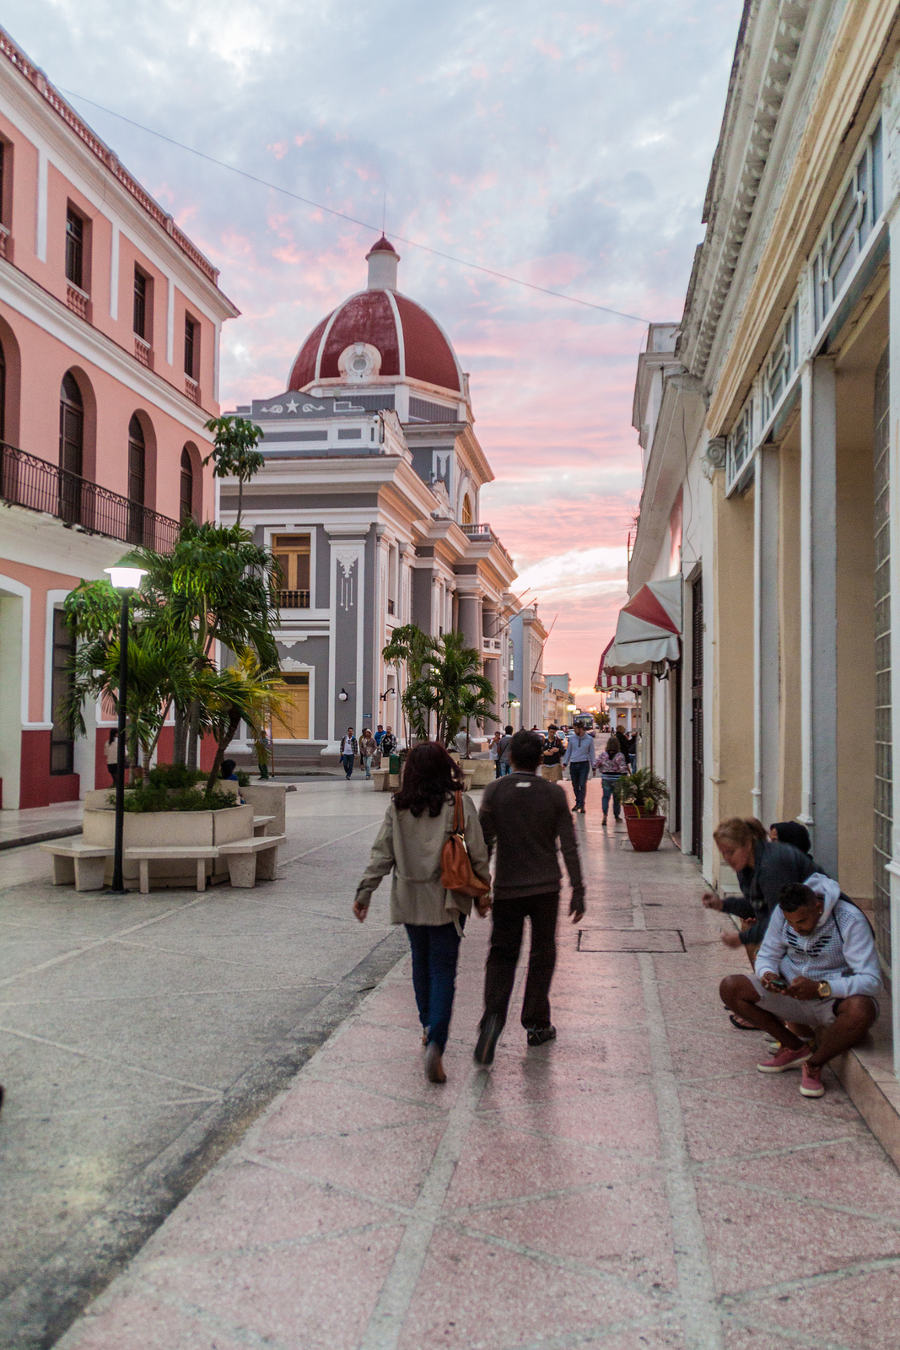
763 866
410 842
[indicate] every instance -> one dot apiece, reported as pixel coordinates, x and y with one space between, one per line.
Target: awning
648 632
607 682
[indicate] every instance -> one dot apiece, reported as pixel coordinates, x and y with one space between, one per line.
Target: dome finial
382 258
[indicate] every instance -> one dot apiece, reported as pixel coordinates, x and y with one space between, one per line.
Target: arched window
71 448
467 510
137 468
187 487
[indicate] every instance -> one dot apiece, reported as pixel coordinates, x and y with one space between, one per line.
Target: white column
818 608
766 634
114 273
40 234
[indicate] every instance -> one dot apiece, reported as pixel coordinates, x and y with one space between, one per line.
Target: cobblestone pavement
637 1183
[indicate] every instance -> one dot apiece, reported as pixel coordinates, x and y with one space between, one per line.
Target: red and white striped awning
648 632
607 682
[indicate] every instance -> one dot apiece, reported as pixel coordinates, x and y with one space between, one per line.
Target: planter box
645 832
267 799
158 828
478 772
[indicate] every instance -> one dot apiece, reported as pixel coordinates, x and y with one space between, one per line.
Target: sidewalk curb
63 832
37 1312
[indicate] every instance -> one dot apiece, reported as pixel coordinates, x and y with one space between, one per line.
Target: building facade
370 500
527 636
109 333
772 458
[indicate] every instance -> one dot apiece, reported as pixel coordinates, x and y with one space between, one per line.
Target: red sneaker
811 1084
785 1058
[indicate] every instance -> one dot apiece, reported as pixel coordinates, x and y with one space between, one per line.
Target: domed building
369 498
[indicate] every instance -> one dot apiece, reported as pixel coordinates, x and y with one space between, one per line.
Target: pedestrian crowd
814 968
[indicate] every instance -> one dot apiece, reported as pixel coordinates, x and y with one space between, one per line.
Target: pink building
109 341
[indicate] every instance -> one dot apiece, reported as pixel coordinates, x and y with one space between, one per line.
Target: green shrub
174 776
155 798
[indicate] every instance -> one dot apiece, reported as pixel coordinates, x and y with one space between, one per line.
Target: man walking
580 758
523 816
348 752
503 763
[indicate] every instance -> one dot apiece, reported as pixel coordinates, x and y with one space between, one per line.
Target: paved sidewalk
635 1184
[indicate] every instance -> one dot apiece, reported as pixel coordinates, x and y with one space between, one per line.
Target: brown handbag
456 869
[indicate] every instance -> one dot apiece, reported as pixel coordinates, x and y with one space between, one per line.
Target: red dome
410 343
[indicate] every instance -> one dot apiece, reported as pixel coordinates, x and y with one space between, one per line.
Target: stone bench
78 863
252 860
384 781
145 854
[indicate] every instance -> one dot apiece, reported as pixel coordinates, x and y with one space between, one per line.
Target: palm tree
411 647
458 683
216 586
234 451
243 692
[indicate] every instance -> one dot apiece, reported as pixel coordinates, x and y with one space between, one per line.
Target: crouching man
816 968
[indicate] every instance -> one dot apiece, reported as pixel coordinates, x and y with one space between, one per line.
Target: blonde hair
739 830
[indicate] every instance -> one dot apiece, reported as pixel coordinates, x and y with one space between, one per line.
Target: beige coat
410 846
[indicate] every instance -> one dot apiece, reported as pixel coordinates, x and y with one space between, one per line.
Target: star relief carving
292 406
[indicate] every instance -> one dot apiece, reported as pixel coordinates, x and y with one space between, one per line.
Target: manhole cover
630 940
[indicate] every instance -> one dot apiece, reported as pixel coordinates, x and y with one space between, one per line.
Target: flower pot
645 832
629 809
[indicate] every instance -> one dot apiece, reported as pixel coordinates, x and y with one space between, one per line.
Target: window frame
76 248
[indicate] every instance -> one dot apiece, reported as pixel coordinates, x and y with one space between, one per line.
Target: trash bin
393 764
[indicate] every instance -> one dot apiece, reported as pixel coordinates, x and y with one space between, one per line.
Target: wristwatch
823 989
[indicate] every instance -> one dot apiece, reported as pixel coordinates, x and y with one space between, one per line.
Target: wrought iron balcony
38 485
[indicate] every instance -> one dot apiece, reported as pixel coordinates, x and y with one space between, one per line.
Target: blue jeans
609 781
579 772
347 762
435 948
505 767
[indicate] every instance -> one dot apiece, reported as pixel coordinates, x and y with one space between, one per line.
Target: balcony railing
292 599
38 485
482 531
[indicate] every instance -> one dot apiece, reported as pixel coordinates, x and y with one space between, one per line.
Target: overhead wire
354 220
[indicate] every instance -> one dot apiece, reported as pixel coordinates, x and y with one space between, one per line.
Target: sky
568 146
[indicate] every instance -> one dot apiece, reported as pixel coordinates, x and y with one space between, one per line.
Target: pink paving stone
620 1227
314 1106
363 1041
379 1165
247 1204
856 1311
641 1336
754 1241
404 1078
502 1163
603 1051
627 1120
781 1092
318 1296
717 1128
509 1299
137 1319
855 1174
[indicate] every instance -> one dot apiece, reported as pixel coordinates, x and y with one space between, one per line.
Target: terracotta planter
629 809
645 832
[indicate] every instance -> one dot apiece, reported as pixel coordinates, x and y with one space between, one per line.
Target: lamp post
125 580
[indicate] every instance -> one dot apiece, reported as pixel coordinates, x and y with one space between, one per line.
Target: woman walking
418 822
611 764
367 751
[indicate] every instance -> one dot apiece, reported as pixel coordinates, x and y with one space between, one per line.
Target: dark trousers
509 915
435 948
579 771
609 781
347 762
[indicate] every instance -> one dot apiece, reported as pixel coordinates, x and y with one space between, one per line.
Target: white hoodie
840 949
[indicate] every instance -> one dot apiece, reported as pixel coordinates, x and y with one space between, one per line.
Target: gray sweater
840 949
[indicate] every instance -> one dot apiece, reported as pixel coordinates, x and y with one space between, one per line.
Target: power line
354 220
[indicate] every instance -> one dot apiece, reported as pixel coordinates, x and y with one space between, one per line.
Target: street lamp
125 580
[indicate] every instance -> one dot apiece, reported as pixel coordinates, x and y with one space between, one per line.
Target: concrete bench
384 781
76 862
261 824
252 860
145 854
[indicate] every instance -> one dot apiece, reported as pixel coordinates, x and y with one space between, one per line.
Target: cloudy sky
565 145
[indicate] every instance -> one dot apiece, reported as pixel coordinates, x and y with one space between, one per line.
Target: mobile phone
778 984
